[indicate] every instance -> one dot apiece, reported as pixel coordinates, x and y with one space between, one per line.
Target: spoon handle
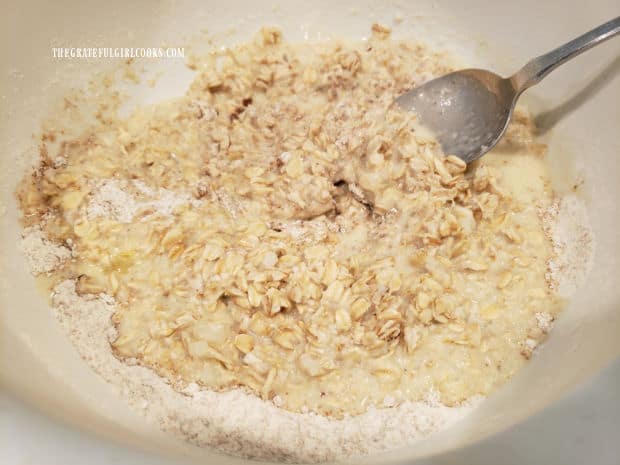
533 72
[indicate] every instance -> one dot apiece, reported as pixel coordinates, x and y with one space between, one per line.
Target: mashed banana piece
284 229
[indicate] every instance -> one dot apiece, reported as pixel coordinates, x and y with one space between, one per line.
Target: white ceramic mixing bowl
37 360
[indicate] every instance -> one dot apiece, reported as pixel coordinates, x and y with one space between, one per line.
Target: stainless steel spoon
469 110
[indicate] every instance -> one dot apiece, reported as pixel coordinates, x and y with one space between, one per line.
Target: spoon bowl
469 110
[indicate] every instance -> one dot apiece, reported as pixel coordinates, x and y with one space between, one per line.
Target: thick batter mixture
282 228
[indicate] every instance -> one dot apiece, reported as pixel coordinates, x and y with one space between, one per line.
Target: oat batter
283 229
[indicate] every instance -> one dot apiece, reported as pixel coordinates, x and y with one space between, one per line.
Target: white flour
111 199
544 321
42 255
566 223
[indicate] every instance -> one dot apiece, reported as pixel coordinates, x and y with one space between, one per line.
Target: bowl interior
581 98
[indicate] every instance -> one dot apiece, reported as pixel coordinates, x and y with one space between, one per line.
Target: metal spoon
469 110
